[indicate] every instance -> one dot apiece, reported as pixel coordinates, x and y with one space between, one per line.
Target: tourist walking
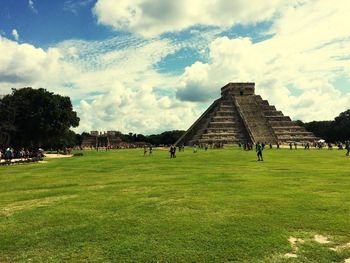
194 148
8 155
259 150
172 151
347 147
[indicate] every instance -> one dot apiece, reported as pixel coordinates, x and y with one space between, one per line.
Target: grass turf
213 206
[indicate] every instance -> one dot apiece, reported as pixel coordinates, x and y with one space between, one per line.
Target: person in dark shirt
347 147
172 151
144 150
259 150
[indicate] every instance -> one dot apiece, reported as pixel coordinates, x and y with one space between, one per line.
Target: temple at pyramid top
238 89
241 116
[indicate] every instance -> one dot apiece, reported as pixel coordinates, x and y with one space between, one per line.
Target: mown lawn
213 206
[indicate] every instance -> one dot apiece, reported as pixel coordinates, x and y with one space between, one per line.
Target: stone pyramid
240 116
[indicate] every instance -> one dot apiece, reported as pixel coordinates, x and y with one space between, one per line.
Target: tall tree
36 117
341 127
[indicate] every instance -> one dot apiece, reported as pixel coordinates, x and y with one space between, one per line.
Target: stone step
273 113
282 123
289 129
226 103
218 130
222 134
225 109
221 124
267 107
278 118
225 113
292 133
223 141
224 119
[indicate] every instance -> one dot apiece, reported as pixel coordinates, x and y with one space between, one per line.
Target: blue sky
51 21
147 66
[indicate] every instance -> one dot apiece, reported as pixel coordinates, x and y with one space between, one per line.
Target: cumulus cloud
15 34
138 111
121 89
113 84
25 64
31 6
295 69
153 17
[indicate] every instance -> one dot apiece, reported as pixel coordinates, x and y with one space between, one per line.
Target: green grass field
214 206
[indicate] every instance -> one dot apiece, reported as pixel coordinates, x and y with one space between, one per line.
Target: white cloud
295 69
113 83
31 6
23 64
153 17
15 34
137 111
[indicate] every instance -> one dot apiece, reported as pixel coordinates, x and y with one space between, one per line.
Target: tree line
337 130
164 138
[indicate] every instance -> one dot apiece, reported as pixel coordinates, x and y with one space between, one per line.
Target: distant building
101 139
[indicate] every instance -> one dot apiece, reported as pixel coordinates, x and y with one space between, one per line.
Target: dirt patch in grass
321 239
29 204
341 247
53 155
294 242
290 255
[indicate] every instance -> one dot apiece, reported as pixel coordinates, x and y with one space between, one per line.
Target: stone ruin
101 139
240 116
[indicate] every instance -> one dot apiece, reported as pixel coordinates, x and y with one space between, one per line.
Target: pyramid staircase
225 125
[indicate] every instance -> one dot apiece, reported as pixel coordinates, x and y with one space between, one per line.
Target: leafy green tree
332 131
321 129
166 138
340 130
36 117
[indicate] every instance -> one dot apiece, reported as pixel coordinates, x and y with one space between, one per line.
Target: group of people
259 147
8 154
